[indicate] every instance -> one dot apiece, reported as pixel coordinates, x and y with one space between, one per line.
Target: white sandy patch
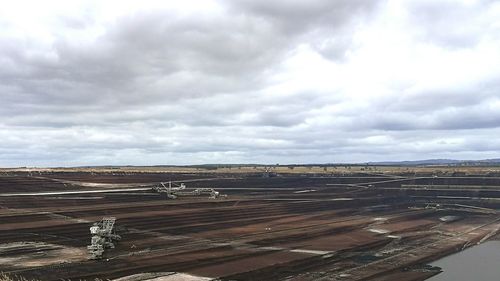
163 276
40 254
314 252
305 191
378 230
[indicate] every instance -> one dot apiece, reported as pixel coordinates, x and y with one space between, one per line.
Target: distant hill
430 162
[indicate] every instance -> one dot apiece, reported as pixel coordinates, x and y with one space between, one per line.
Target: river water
478 263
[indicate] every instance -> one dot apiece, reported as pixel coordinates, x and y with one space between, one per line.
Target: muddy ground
287 227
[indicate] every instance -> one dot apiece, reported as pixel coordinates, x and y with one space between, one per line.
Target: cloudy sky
248 81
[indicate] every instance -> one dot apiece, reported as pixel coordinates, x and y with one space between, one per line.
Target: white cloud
173 82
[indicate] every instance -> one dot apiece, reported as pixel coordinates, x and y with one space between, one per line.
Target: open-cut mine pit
289 226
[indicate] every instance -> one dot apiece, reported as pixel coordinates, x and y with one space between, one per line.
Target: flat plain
285 223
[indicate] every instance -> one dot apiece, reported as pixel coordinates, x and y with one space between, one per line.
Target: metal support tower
103 237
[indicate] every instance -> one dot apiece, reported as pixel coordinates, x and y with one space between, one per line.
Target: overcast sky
248 81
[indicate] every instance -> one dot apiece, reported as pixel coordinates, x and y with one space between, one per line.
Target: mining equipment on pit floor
172 191
103 237
268 171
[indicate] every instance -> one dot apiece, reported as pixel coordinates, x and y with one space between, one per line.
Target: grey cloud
326 25
478 116
157 88
409 99
300 16
152 57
